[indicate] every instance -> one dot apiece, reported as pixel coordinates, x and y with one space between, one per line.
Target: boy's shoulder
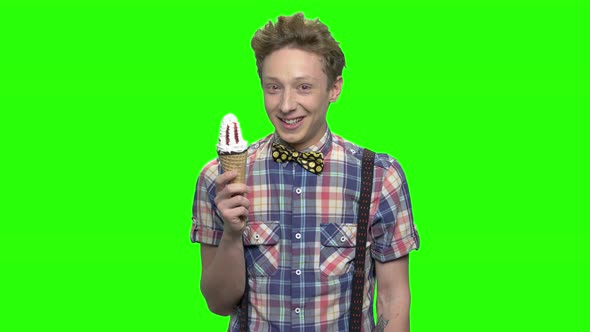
382 160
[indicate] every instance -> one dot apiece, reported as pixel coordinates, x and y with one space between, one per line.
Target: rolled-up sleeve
207 227
393 232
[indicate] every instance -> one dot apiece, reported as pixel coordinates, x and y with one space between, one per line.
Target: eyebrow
298 78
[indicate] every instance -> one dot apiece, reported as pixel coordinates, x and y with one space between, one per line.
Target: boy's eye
305 87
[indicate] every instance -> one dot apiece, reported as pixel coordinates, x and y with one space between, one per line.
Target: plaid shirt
301 234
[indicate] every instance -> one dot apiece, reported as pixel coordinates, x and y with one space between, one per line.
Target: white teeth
294 121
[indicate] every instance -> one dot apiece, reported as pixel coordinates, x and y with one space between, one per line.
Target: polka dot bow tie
311 160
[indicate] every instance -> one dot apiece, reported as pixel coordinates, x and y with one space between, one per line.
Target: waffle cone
235 162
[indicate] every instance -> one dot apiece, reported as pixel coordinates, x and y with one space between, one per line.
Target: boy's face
296 95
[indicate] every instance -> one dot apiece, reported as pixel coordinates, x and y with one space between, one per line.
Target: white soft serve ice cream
230 136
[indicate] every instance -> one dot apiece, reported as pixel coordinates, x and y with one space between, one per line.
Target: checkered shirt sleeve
393 230
207 226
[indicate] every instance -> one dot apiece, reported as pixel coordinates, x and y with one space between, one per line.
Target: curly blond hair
298 32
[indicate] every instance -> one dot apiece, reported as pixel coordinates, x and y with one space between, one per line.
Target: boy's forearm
223 281
394 314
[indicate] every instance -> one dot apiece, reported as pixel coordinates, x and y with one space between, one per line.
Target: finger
240 200
236 189
223 199
223 179
233 202
235 215
232 190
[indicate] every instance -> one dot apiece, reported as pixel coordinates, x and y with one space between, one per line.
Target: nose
288 102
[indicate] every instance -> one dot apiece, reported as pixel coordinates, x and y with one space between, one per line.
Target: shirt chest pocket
337 250
261 247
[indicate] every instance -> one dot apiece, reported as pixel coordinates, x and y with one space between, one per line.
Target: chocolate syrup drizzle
227 134
236 132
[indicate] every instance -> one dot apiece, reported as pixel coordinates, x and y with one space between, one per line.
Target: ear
336 89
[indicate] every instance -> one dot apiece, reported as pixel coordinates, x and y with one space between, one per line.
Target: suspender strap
358 280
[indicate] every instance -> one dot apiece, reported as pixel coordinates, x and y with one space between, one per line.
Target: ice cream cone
235 162
232 149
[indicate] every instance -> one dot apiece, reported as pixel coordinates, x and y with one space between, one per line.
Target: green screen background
108 111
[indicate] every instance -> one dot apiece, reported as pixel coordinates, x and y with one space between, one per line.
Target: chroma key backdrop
109 110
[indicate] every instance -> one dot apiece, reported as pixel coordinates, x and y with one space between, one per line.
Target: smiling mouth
291 121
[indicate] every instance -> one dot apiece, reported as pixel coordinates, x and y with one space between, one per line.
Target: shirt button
297 310
298 272
352 151
298 236
343 239
298 191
